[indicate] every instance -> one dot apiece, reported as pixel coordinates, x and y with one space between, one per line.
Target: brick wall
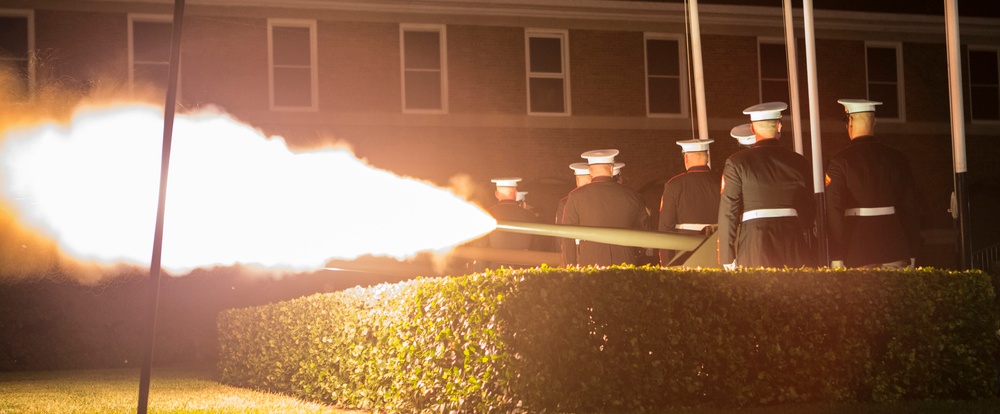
73 60
926 79
607 73
486 73
220 56
359 67
731 79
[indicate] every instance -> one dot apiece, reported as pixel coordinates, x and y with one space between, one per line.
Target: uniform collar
765 142
699 168
506 202
863 138
601 179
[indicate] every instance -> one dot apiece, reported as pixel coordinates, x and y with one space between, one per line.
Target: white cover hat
580 168
743 134
507 181
617 169
858 105
520 195
765 111
695 145
602 156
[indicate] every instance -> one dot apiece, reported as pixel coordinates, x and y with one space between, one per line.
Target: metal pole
793 77
698 69
814 132
154 268
958 131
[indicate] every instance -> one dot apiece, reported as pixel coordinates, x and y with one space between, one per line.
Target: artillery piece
694 250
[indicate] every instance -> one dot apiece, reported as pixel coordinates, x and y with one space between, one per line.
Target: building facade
435 89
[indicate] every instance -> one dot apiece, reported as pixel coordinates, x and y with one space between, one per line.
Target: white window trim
968 74
443 45
900 84
760 67
30 15
682 73
314 70
145 18
563 36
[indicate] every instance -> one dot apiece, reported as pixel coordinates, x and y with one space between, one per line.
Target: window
984 84
664 75
773 63
548 71
149 51
292 72
424 68
885 78
16 45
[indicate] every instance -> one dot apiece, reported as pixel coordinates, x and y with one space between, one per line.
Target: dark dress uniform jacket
505 210
604 203
569 256
691 197
766 176
509 210
869 174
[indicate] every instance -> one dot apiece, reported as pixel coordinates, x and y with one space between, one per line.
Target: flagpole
814 131
958 132
154 268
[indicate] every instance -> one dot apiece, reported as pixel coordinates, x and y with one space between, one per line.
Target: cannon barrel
702 248
622 237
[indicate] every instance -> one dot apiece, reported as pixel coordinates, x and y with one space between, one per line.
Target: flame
233 195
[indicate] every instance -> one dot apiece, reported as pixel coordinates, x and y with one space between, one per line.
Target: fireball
234 195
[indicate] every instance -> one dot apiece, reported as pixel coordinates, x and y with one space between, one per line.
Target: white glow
234 195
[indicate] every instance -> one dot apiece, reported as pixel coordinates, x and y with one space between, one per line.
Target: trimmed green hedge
624 339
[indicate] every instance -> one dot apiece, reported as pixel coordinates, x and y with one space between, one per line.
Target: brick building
433 89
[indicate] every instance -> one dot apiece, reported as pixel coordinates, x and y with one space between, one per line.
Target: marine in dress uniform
581 173
743 134
522 200
616 173
604 203
690 200
871 197
507 208
767 204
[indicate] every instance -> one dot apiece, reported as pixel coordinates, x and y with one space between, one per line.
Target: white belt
870 211
769 212
691 226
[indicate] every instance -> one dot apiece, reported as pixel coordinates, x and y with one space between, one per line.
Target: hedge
623 339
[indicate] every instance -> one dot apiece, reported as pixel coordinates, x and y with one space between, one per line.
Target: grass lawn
188 390
171 390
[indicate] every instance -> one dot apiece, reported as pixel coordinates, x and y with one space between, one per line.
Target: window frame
563 36
968 74
681 77
313 64
760 67
900 81
146 18
29 15
442 32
